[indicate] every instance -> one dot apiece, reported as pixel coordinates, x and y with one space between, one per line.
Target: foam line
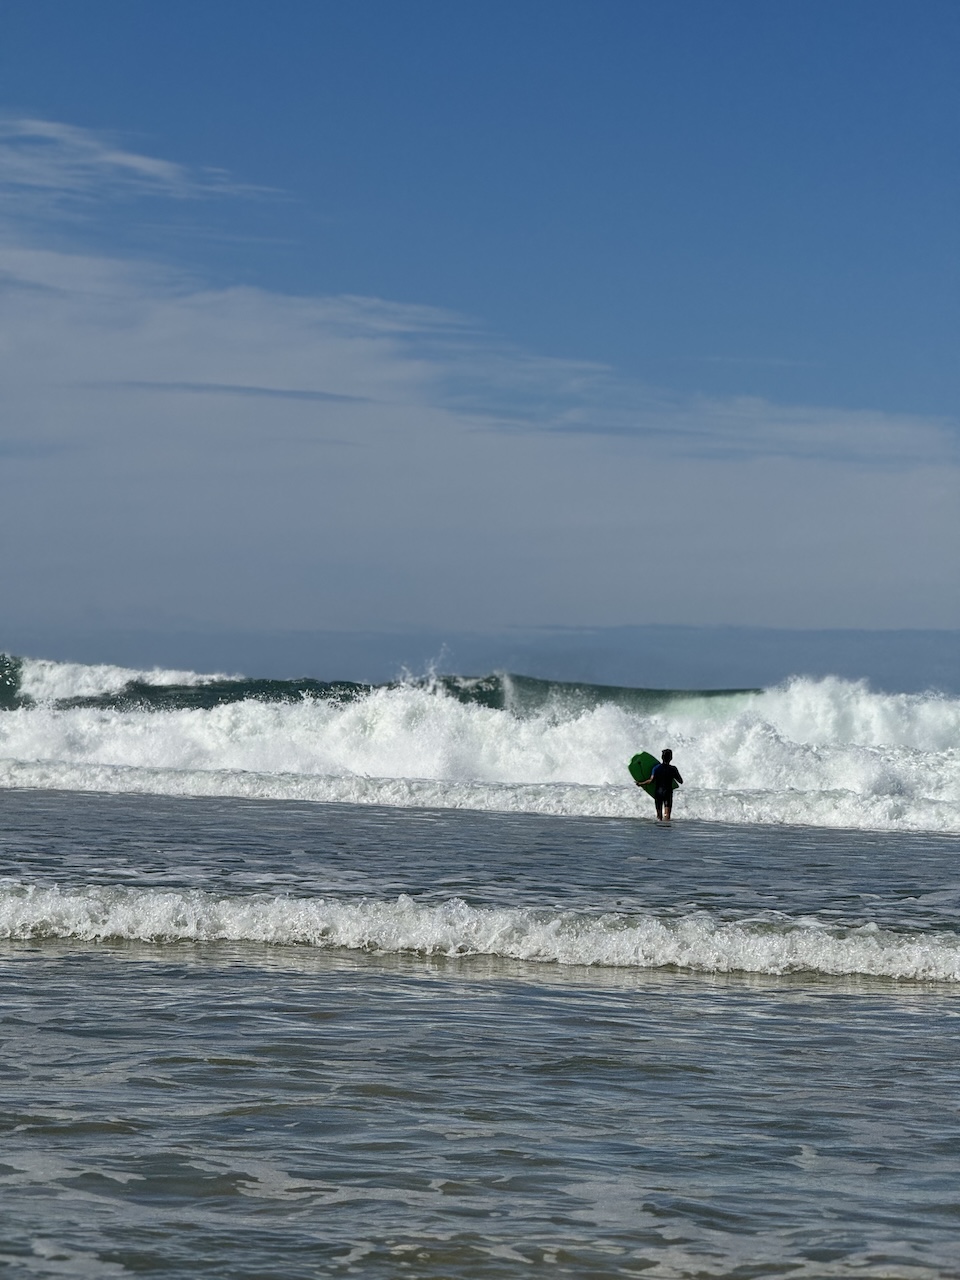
828 809
696 942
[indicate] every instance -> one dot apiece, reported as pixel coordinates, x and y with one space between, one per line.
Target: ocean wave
69 686
40 680
697 942
819 752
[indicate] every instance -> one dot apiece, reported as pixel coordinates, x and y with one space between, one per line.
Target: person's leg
659 803
667 810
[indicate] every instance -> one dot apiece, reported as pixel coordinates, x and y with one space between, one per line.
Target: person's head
666 755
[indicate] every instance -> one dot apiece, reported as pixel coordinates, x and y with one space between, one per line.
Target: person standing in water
663 776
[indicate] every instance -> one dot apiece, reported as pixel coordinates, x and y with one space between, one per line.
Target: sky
462 317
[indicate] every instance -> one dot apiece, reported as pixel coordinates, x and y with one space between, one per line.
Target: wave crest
697 942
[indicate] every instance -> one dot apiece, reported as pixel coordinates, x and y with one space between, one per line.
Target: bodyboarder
663 776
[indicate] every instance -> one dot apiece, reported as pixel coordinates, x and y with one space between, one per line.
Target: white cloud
171 453
515 392
46 165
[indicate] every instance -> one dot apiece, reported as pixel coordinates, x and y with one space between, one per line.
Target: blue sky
385 315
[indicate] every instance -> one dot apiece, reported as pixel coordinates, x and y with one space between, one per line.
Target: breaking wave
825 752
697 942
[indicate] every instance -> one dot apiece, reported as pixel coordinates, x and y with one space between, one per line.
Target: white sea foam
697 942
821 752
46 681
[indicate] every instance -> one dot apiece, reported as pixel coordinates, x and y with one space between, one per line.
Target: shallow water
184 1099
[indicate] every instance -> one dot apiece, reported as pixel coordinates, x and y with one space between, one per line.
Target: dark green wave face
139 695
527 695
10 669
520 695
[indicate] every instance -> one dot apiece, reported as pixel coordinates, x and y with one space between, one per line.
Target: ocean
309 978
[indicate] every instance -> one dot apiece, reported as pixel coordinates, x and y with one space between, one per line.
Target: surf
698 942
825 752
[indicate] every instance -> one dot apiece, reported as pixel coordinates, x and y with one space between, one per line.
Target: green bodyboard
641 766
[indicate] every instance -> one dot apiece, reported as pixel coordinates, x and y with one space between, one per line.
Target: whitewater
698 942
827 752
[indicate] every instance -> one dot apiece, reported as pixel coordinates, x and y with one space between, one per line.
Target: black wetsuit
663 778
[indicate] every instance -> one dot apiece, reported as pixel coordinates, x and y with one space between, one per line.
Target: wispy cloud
772 362
247 344
236 389
506 390
187 443
750 427
46 165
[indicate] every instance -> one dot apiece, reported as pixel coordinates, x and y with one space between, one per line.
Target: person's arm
676 774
